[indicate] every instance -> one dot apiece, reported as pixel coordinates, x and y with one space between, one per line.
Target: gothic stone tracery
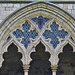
62 19
55 33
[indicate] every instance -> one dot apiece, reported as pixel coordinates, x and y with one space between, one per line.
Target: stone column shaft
54 69
26 69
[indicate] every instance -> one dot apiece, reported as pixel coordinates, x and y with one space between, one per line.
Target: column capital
54 68
26 67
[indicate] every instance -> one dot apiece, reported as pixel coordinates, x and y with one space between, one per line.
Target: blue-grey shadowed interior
40 21
54 34
27 35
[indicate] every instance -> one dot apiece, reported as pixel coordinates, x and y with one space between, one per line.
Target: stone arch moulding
31 10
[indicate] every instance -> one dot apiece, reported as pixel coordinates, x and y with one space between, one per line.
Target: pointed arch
31 10
40 61
47 49
66 64
9 66
20 49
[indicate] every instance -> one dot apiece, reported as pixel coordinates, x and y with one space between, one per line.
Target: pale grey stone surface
70 6
10 4
17 5
73 12
4 4
74 6
7 8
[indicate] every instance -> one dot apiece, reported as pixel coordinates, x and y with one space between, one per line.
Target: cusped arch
47 49
47 9
67 42
40 57
14 55
61 49
12 41
67 56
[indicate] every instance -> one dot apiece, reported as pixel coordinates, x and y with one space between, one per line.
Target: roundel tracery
41 28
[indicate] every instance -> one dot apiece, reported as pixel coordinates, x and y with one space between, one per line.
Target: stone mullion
34 25
26 69
54 69
47 25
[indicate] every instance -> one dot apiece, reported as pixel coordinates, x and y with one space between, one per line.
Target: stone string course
7 8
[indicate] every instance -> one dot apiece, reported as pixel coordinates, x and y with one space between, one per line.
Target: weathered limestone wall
7 8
